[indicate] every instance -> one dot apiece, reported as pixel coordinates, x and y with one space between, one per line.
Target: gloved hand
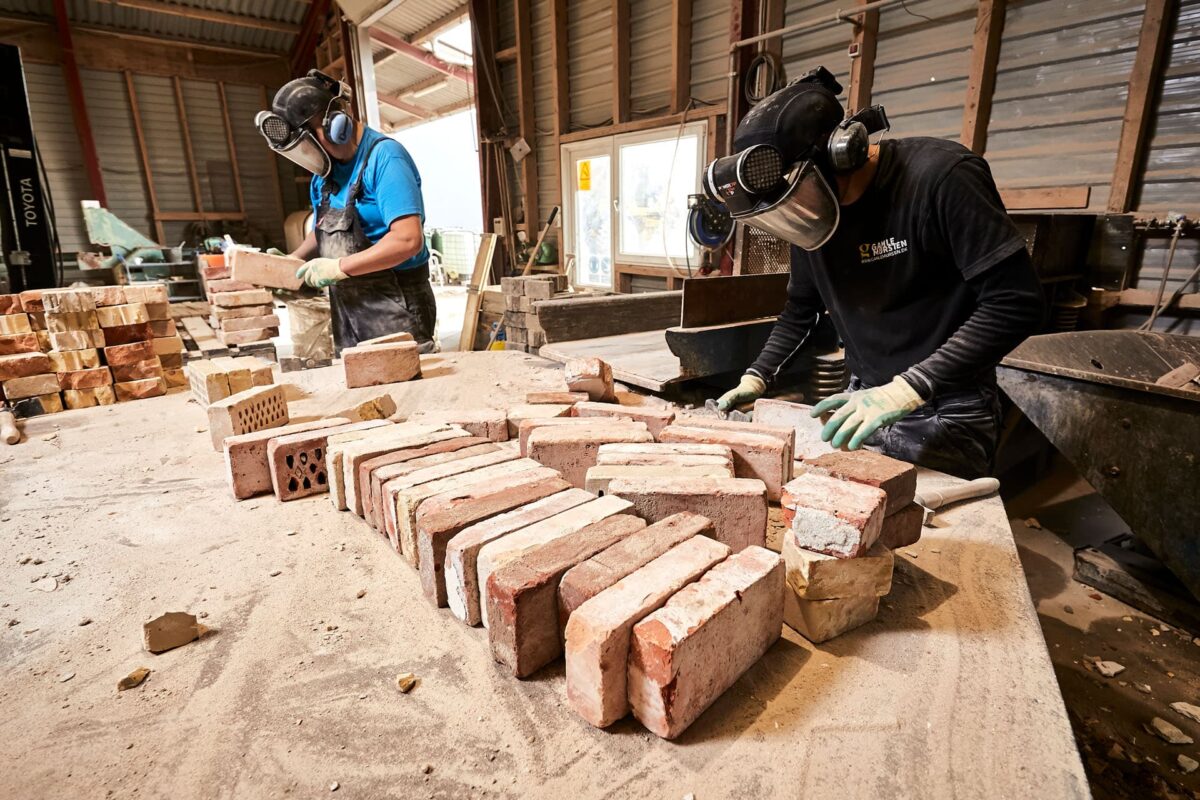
866 411
750 388
321 272
275 251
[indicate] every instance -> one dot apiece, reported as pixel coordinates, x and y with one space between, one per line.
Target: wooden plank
639 359
1145 298
732 298
143 156
981 79
479 279
526 122
1138 581
206 15
681 54
562 95
620 61
79 112
608 315
649 123
188 155
1056 197
1144 82
203 336
232 146
862 64
349 73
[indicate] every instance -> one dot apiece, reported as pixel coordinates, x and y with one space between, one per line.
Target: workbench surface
949 693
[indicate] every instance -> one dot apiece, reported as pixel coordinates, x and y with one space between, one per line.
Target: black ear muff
848 146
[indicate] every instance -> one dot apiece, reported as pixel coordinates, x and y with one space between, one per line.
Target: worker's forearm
390 251
787 338
307 248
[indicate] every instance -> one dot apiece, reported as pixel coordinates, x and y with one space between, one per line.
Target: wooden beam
418 86
1145 81
743 23
620 61
420 55
440 25
188 154
232 146
560 74
140 137
526 123
306 40
434 113
489 124
377 16
681 54
79 112
349 74
200 216
981 80
506 55
408 108
862 63
1145 298
206 15
1058 197
665 121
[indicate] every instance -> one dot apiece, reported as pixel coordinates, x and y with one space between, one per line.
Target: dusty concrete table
949 693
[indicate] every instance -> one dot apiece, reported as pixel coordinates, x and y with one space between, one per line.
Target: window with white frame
625 200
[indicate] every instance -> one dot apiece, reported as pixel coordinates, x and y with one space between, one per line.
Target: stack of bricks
522 330
27 376
124 313
393 358
241 312
839 561
30 303
219 378
657 460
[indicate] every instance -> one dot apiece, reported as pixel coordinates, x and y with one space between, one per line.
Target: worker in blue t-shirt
367 245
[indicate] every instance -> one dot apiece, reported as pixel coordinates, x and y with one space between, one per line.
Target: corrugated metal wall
589 51
164 146
710 49
258 165
59 146
543 108
649 57
824 46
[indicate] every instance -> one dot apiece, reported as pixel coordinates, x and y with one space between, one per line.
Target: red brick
245 412
61 321
31 386
401 437
291 464
10 304
462 552
163 328
655 419
140 390
174 361
572 449
441 518
250 323
77 340
128 334
158 312
241 312
128 353
821 620
37 321
554 398
61 300
755 455
522 595
228 285
600 476
167 345
90 378
602 570
247 336
15 323
389 338
898 479
783 433
175 378
666 453
252 297
11 343
378 364
87 398
832 516
591 376
138 370
736 506
598 633
115 316
246 466
108 295
489 423
147 292
31 300
521 415
22 365
902 528
529 425
798 417
74 360
374 472
264 269
685 655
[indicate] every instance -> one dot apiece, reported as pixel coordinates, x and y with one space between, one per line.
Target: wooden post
681 54
620 61
83 125
188 155
562 95
140 135
305 43
981 80
862 66
229 142
1145 81
350 66
488 124
743 23
525 114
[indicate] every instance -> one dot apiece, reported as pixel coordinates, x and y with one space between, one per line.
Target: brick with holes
245 412
289 458
246 466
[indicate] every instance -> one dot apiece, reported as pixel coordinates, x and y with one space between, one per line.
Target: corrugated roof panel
413 15
589 58
710 49
649 57
210 146
164 142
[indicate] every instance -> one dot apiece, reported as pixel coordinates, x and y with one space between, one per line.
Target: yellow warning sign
585 176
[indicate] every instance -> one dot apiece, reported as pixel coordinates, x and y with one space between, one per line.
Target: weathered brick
369 444
157 312
655 419
821 620
246 466
264 269
10 304
37 321
163 328
250 323
31 386
832 516
665 453
685 655
498 552
598 477
518 414
555 398
174 361
783 433
528 426
902 528
73 360
591 376
15 323
11 343
333 458
798 417
522 595
462 551
246 337
22 365
444 516
389 338
128 314
140 390
598 633
87 398
138 370
227 285
381 406
898 479
108 295
62 321
128 334
245 412
241 312
572 449
147 292
251 297
209 384
296 464
237 375
816 576
261 371
128 353
60 300
92 378
43 340
736 506
31 300
378 364
490 423
374 472
406 436
77 340
763 456
167 345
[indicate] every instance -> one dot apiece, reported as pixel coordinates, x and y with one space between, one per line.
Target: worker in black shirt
908 247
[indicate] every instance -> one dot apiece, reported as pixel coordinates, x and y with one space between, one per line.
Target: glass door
589 215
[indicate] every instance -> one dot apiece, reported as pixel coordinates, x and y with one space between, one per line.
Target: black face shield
285 126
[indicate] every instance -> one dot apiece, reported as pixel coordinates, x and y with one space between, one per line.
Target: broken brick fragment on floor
592 377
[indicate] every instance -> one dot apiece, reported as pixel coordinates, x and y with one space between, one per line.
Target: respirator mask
285 126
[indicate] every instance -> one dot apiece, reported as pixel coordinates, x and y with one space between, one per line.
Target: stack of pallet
522 330
241 311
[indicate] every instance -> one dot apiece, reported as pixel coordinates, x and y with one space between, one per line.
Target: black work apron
379 303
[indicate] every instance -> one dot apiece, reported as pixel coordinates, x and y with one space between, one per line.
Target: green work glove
275 251
751 388
866 411
321 272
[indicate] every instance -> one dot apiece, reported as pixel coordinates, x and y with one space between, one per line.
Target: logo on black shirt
881 250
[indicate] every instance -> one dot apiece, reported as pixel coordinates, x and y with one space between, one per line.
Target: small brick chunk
252 297
522 595
602 570
245 412
375 472
821 620
10 304
831 516
555 398
798 417
128 334
74 360
264 269
439 519
898 479
685 655
655 419
22 365
591 376
87 398
128 353
76 340
902 528
92 378
389 338
378 364
598 633
246 464
486 422
764 456
462 551
31 386
519 413
15 323
139 370
128 314
736 506
497 553
290 457
140 390
572 449
11 343
816 576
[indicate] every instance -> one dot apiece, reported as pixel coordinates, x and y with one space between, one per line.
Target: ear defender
339 127
848 145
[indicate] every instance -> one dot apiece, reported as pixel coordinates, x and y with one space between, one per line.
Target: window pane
593 221
651 222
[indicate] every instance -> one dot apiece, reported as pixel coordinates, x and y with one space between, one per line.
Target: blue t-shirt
391 189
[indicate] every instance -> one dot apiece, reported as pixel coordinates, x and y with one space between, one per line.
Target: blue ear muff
339 127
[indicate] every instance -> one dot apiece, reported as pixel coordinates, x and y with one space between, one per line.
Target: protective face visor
296 145
797 206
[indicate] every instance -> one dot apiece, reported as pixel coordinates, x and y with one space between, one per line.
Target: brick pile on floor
28 379
239 311
522 330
